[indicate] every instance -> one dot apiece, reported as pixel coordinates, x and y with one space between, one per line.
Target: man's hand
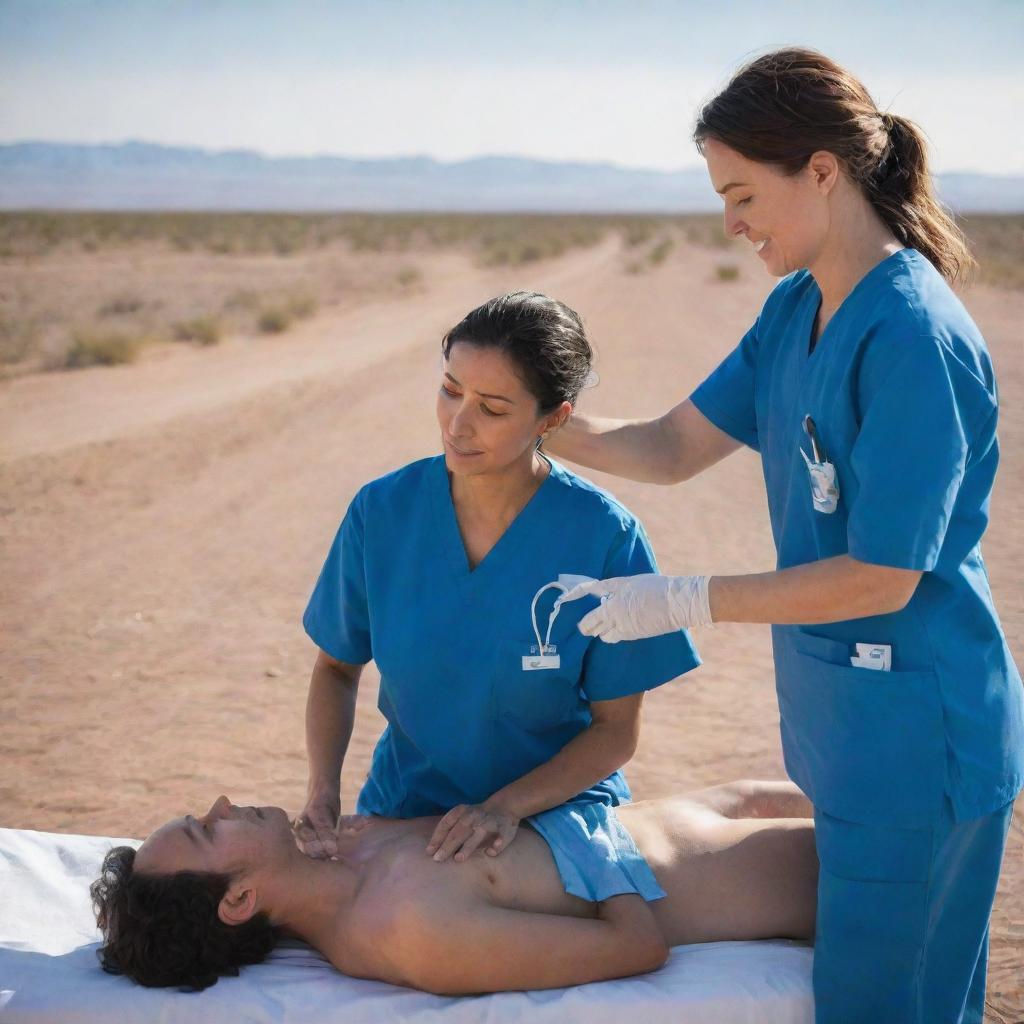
319 824
637 607
468 826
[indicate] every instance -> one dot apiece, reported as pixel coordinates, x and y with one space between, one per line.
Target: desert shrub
121 305
727 272
637 234
660 252
274 320
103 348
18 337
300 305
206 330
242 298
408 276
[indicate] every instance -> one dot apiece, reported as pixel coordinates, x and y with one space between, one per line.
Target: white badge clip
873 656
824 486
544 655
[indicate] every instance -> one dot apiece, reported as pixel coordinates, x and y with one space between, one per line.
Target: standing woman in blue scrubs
869 394
445 573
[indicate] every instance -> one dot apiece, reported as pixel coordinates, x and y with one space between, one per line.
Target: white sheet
49 972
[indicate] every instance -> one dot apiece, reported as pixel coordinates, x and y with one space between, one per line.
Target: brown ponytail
783 107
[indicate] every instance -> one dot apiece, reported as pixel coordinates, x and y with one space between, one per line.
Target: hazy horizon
591 82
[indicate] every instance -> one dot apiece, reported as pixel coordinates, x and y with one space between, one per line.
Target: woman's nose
734 226
461 423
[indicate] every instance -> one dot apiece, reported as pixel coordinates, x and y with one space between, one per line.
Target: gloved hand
636 607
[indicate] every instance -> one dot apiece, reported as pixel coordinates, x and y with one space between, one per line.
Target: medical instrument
824 486
812 432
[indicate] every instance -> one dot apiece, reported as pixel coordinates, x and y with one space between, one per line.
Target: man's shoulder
391 932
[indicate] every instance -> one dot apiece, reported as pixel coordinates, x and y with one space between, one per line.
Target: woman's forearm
330 714
586 759
830 590
635 449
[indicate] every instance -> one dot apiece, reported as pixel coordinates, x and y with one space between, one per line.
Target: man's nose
221 808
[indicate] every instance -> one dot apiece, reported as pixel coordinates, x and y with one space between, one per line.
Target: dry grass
659 253
205 330
202 276
101 348
997 241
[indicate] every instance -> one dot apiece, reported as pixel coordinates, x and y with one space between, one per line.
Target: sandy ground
162 524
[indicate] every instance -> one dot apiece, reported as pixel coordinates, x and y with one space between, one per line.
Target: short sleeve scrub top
902 401
466 714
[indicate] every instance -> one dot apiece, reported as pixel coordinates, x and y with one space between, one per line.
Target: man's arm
483 948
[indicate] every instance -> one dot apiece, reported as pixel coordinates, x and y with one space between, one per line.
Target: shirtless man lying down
203 896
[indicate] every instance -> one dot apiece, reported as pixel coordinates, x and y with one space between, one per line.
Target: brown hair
786 105
164 930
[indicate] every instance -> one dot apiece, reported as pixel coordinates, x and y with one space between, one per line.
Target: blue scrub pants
903 916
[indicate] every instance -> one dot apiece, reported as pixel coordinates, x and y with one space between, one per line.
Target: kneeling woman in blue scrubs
869 394
446 574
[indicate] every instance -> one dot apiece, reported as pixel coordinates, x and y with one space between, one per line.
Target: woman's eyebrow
732 184
483 394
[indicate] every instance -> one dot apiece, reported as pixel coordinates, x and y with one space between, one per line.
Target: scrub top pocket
541 699
865 745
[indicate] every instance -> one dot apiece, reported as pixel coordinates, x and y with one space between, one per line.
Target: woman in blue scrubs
869 394
446 574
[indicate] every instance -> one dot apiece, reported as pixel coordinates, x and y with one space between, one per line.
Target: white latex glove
636 607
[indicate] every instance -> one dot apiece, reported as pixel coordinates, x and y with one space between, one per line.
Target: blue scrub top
901 390
464 718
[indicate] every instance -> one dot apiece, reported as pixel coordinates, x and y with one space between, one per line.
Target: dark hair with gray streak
544 339
786 105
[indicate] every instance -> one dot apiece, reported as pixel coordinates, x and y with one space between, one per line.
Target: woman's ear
823 168
556 419
237 905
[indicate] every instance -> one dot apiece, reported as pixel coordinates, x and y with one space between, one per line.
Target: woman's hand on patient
467 827
637 607
319 824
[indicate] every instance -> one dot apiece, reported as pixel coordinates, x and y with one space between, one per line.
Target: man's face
226 840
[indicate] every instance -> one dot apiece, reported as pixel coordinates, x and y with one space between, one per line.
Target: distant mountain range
145 176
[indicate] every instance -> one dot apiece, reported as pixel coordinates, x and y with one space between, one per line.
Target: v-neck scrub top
901 391
463 717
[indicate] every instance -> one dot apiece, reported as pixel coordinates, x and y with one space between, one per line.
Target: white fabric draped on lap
49 971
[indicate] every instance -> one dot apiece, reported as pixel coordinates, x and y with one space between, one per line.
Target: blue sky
575 79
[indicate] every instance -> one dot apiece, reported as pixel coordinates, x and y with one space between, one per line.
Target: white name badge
873 656
536 661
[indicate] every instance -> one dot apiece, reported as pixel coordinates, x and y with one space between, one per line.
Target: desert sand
162 524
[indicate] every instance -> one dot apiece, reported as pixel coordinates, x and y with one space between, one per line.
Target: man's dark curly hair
163 930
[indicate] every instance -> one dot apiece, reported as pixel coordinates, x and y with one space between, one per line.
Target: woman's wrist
504 802
324 789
